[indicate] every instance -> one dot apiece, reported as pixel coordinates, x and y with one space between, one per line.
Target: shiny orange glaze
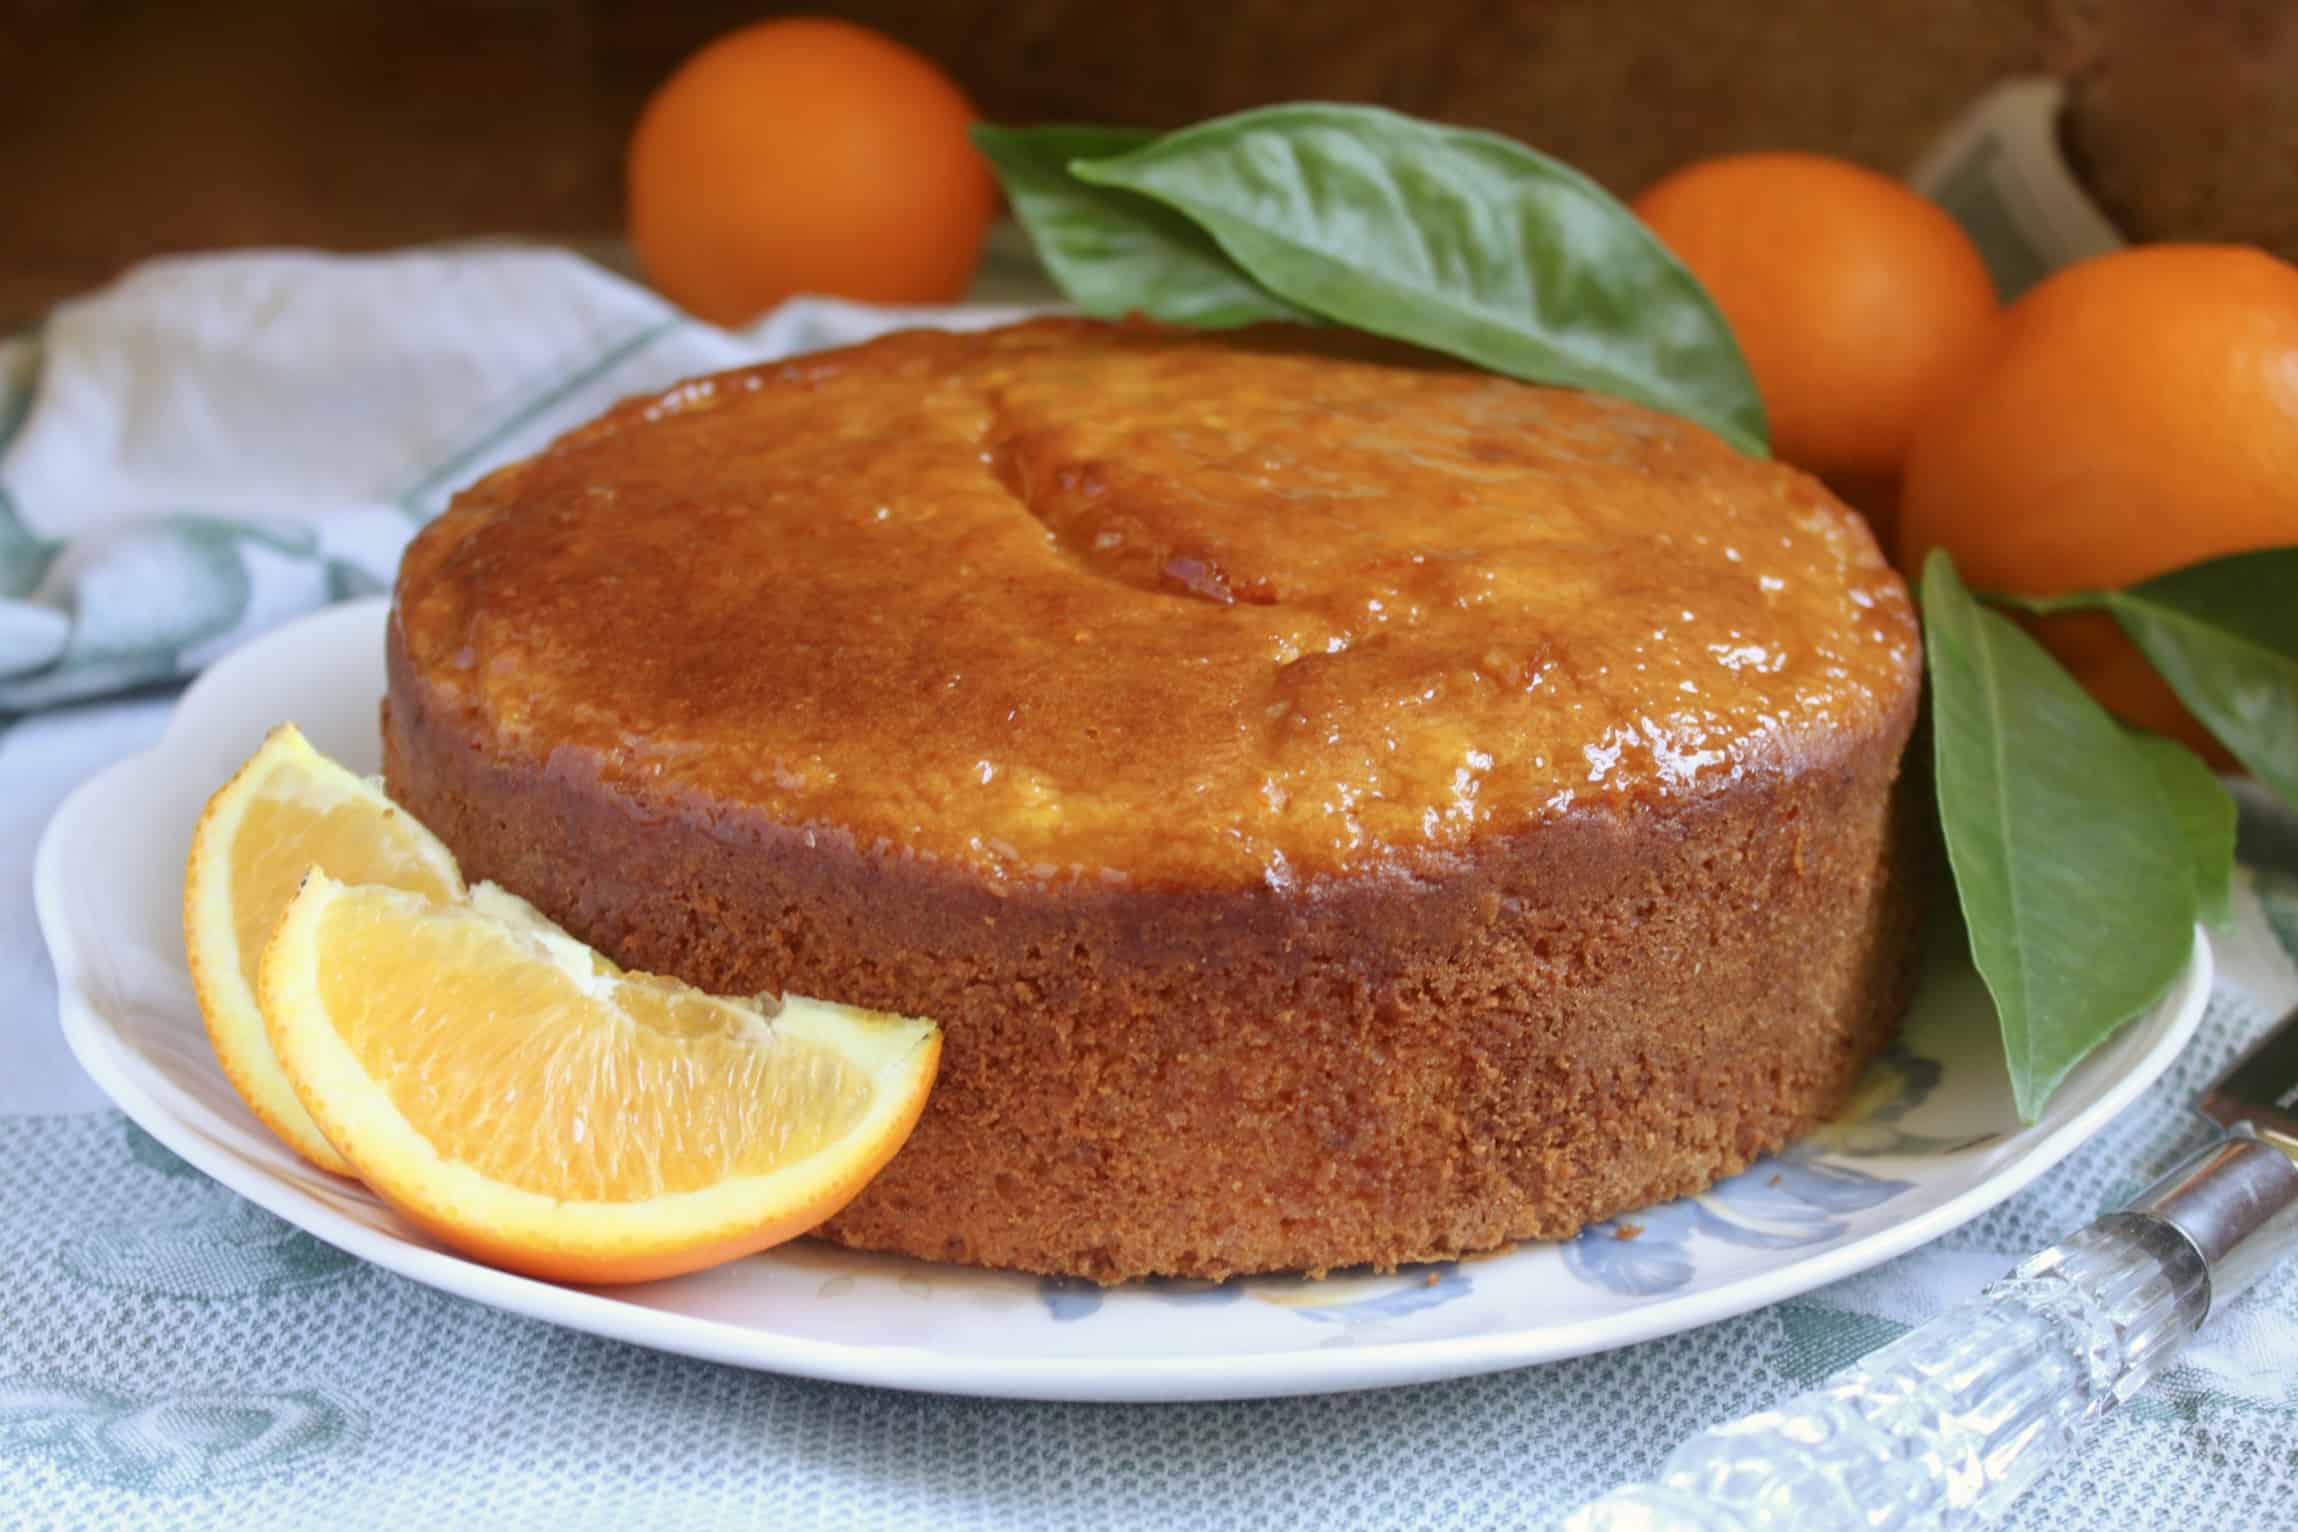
1068 600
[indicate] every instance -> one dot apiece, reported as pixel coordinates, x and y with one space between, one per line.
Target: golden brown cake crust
1567 876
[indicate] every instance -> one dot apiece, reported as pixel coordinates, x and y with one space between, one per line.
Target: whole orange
2137 412
1856 302
806 156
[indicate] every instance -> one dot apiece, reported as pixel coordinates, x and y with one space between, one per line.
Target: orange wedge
534 1106
286 810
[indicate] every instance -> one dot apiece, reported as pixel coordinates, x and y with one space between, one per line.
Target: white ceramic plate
1931 1142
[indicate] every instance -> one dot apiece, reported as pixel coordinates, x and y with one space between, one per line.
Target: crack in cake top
1073 600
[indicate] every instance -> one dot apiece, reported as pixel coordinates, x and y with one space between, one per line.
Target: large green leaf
2203 810
1464 242
1113 252
2076 883
2224 634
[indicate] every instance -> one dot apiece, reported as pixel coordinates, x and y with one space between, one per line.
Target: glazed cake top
1071 600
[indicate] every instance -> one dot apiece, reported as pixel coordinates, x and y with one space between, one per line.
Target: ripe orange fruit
532 1104
2137 412
806 156
1857 302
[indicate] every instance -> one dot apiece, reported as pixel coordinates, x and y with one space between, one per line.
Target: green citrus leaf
2076 884
1113 253
2203 810
2224 634
1464 242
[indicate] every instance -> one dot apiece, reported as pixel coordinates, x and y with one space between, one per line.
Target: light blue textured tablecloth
170 1356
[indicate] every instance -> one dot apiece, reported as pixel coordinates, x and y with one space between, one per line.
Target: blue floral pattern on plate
1781 1203
1798 1197
1067 1298
1344 1298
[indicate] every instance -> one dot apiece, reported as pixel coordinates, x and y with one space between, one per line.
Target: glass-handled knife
1943 1428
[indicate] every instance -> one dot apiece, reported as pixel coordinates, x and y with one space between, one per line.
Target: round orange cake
1341 807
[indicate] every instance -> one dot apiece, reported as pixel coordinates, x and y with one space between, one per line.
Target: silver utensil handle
1944 1427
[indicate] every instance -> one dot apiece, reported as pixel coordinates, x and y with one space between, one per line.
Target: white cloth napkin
215 444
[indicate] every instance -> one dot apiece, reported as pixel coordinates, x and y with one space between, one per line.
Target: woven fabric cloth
171 1356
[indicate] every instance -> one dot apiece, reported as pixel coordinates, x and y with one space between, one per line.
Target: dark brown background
129 127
